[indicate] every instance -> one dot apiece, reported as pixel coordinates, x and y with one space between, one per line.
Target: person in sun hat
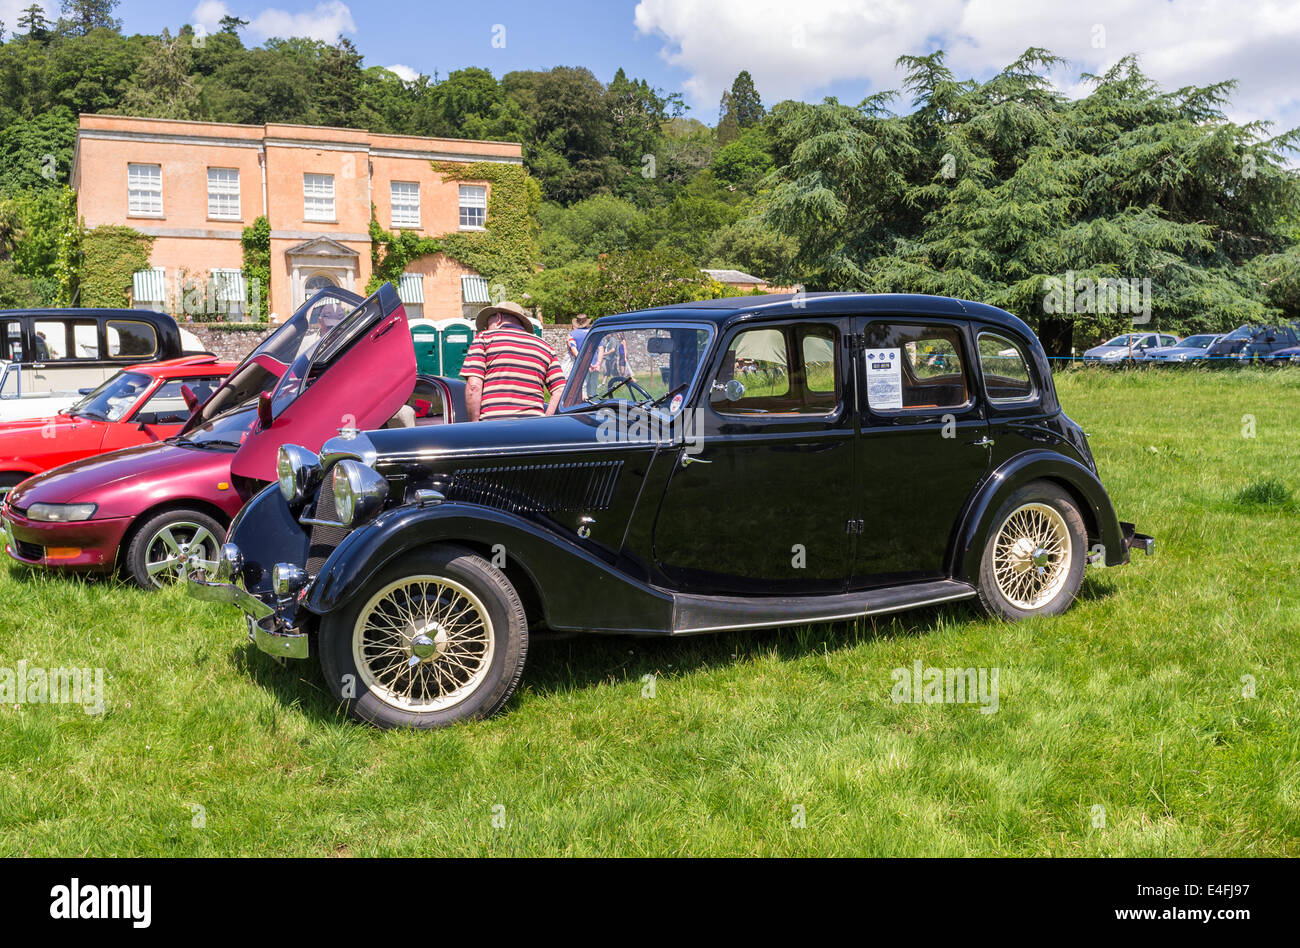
508 371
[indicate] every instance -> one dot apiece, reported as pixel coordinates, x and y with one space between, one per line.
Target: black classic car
767 461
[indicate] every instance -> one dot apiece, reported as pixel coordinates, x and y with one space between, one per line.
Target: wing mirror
191 400
264 418
735 390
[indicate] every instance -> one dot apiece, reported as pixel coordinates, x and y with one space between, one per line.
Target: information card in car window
884 378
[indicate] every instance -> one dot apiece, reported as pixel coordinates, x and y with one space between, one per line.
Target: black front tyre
1035 554
435 638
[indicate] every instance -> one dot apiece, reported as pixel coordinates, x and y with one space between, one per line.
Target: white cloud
405 73
323 22
794 49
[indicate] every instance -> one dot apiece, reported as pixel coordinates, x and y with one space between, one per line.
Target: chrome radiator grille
538 488
323 538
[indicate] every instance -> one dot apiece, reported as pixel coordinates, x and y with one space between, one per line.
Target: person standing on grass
508 371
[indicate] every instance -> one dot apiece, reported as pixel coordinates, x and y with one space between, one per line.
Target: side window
131 339
50 340
1005 368
85 340
9 381
781 371
914 367
169 404
11 340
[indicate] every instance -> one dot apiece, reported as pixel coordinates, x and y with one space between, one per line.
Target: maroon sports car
339 362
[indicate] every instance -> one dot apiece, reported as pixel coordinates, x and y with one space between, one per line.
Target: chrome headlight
61 513
298 471
287 579
359 492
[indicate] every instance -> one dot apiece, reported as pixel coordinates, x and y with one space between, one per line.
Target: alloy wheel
168 551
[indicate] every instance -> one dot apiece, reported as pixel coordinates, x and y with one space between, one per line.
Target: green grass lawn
1132 702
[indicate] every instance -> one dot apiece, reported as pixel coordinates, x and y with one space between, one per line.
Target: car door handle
692 459
985 442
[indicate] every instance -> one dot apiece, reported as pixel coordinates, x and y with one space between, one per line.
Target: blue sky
794 48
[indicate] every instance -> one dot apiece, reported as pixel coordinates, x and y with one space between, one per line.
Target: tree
744 102
162 87
638 279
82 16
232 24
572 130
32 22
1003 190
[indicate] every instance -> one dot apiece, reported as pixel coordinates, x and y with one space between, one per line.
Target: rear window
131 339
1005 367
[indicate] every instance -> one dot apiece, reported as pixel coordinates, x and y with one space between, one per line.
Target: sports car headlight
298 471
61 513
359 492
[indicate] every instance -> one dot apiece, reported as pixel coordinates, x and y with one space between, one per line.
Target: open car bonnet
358 375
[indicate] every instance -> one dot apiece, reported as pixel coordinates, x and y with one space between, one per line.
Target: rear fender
578 590
976 525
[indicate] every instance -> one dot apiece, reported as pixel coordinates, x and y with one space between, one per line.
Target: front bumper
269 626
82 545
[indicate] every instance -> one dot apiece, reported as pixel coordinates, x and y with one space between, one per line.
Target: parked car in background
49 358
769 461
1291 355
146 509
1248 343
139 405
1189 350
1130 345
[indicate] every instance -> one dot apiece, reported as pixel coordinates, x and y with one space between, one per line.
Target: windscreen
310 364
263 367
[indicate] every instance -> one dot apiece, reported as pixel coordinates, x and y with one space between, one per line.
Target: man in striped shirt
507 369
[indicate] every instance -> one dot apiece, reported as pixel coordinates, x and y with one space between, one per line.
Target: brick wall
230 346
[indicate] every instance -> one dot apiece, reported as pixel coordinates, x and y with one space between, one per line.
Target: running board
694 614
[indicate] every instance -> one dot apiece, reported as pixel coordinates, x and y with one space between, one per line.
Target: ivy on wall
256 241
110 255
504 253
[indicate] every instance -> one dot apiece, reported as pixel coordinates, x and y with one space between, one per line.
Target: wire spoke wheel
169 549
423 643
1032 555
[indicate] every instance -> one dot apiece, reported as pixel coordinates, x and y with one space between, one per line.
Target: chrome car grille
324 538
538 488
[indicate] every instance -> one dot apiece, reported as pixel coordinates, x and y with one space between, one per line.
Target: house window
473 295
410 290
318 197
473 205
406 203
144 190
228 288
150 289
223 193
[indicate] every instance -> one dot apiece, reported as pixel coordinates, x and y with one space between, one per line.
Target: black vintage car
767 461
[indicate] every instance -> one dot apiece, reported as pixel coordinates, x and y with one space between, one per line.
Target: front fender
1094 503
267 532
578 590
